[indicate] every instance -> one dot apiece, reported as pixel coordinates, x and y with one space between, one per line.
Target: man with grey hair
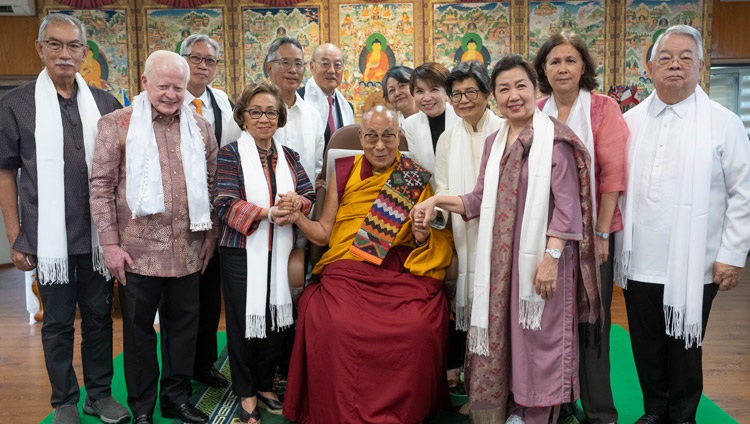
202 54
47 129
685 217
378 262
321 91
153 173
304 131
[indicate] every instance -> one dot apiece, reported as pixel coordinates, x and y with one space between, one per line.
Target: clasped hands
287 209
421 215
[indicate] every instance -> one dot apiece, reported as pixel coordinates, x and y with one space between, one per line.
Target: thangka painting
470 31
644 22
584 18
373 37
262 25
107 64
167 28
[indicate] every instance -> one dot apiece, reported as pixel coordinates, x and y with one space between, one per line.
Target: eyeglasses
257 113
286 64
196 60
326 64
372 138
57 46
471 95
686 61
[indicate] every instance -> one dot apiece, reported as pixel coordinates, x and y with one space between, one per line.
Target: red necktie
331 124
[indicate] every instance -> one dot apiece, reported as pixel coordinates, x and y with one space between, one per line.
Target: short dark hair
466 70
277 43
400 73
588 77
513 61
432 73
251 91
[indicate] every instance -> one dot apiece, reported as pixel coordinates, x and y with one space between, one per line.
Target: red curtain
86 4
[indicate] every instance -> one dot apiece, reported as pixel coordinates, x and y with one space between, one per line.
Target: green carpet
221 404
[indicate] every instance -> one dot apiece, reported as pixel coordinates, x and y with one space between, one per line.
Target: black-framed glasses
196 60
57 46
471 95
257 113
325 64
372 138
286 64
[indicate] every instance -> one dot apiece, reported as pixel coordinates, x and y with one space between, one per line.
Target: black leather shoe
185 412
652 419
143 419
271 405
212 378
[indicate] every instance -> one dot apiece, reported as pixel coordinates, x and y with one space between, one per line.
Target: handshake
287 209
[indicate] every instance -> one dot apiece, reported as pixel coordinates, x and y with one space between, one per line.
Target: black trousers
93 295
252 361
178 304
210 314
594 369
671 376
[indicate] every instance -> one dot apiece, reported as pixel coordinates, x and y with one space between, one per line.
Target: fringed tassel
200 226
255 327
52 270
98 257
281 317
463 318
530 314
621 265
479 341
674 320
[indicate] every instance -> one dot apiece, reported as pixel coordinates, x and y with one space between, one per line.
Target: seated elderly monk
370 336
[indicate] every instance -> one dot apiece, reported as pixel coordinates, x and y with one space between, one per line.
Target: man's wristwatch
554 253
605 236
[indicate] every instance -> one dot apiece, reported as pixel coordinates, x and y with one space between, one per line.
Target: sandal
245 416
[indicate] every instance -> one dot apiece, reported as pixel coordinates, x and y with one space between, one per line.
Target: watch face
554 253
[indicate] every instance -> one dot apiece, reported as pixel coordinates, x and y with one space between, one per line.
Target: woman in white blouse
423 129
457 158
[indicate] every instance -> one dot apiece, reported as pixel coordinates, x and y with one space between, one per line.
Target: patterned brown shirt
160 245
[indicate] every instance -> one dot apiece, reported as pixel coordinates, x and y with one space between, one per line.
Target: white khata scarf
683 291
579 121
256 245
144 191
461 180
533 232
52 254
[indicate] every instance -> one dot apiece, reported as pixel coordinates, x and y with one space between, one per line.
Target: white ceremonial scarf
533 232
686 260
52 254
416 129
256 245
579 120
230 131
143 188
316 97
462 179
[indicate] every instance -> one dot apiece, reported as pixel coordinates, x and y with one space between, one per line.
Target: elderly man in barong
47 129
685 215
379 312
154 168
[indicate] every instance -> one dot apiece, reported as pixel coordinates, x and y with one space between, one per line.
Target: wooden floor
24 388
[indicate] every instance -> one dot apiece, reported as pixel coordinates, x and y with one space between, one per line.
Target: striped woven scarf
389 211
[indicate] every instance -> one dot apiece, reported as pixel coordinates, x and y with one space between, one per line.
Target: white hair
165 58
187 44
684 30
64 19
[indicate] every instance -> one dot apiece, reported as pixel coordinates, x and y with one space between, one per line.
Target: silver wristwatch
554 253
605 236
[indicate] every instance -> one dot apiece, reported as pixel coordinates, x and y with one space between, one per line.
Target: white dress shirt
657 180
207 108
304 133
